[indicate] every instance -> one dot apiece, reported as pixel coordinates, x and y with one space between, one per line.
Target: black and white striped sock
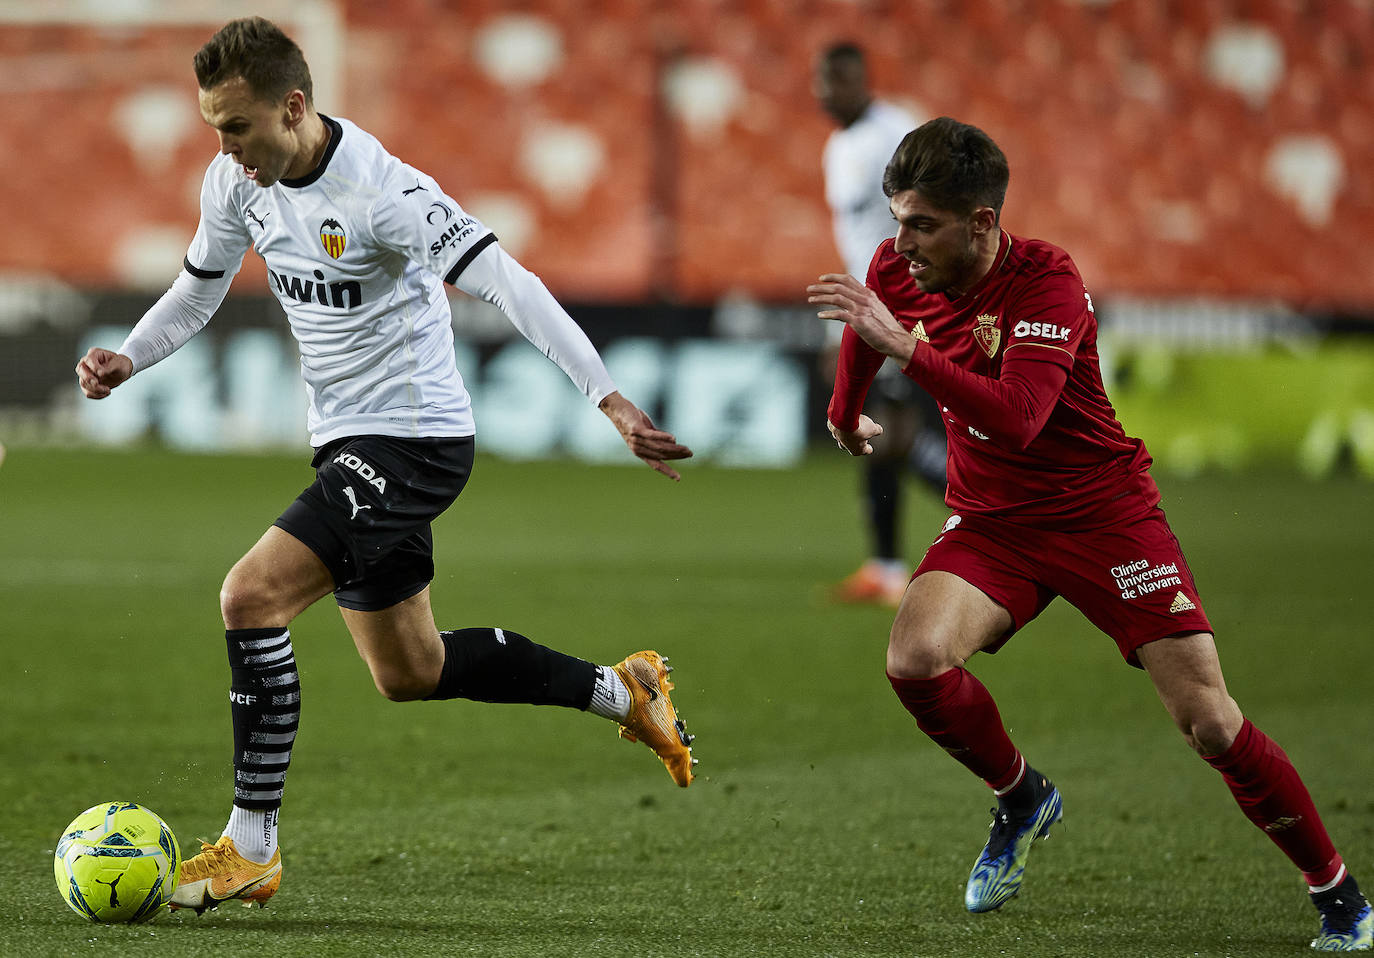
265 704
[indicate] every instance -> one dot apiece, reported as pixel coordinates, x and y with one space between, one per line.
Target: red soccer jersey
1014 367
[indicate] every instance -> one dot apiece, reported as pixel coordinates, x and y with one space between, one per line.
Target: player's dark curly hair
955 166
257 50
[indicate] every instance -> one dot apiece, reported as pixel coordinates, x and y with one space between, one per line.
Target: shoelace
1001 832
1340 916
213 855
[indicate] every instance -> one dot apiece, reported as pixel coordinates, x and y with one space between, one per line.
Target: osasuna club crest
987 333
333 237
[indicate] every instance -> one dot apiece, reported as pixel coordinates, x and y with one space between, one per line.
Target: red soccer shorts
1130 580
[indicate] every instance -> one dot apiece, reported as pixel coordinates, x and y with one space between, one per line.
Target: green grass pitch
822 822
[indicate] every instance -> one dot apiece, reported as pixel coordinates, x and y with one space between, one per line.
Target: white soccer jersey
357 253
853 161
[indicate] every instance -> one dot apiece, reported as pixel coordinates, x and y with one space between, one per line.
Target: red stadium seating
1124 148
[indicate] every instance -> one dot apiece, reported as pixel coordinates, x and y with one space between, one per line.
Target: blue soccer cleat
1347 919
996 876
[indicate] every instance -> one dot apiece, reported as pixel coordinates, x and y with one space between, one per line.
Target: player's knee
254 595
243 602
918 658
402 675
1211 731
401 685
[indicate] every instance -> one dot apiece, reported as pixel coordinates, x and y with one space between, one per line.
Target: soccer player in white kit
867 131
358 246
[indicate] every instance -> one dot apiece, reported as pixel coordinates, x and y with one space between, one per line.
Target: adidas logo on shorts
1181 603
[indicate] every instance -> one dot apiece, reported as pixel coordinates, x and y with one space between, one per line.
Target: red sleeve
1011 410
1044 329
858 364
854 372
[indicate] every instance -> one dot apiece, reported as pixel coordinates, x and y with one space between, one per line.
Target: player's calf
498 665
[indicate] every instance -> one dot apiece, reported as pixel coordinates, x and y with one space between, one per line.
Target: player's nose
904 242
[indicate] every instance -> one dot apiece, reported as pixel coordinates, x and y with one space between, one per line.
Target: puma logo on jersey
369 474
341 294
258 219
353 501
414 188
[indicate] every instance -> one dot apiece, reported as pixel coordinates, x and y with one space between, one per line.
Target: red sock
1271 794
957 712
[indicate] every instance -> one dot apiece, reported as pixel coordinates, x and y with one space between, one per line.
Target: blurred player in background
358 246
1050 497
868 130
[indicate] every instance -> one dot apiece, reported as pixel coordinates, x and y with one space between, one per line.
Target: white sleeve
494 276
212 261
182 312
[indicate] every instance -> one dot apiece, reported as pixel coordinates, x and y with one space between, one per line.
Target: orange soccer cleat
873 582
220 873
652 719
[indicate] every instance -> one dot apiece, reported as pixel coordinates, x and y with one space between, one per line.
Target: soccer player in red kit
1049 497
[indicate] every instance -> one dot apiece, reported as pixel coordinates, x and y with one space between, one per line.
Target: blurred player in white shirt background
868 129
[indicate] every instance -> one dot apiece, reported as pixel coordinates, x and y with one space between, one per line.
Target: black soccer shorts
367 515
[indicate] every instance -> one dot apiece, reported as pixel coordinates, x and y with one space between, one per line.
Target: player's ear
984 220
294 107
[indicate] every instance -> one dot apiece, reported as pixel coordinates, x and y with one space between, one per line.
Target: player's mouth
916 268
250 171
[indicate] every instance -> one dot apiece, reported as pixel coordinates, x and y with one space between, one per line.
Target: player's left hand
645 440
856 443
850 301
101 370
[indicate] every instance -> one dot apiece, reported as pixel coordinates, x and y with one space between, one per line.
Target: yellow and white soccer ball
116 862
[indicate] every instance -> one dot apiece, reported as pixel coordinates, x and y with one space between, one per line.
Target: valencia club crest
333 237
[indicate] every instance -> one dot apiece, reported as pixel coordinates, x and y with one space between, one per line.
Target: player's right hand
856 443
651 444
101 370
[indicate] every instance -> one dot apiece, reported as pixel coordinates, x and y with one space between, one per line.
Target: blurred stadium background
1204 161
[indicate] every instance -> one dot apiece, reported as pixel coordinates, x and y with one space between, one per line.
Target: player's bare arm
850 301
645 440
101 370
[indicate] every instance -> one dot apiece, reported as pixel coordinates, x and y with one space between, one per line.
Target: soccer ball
116 862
